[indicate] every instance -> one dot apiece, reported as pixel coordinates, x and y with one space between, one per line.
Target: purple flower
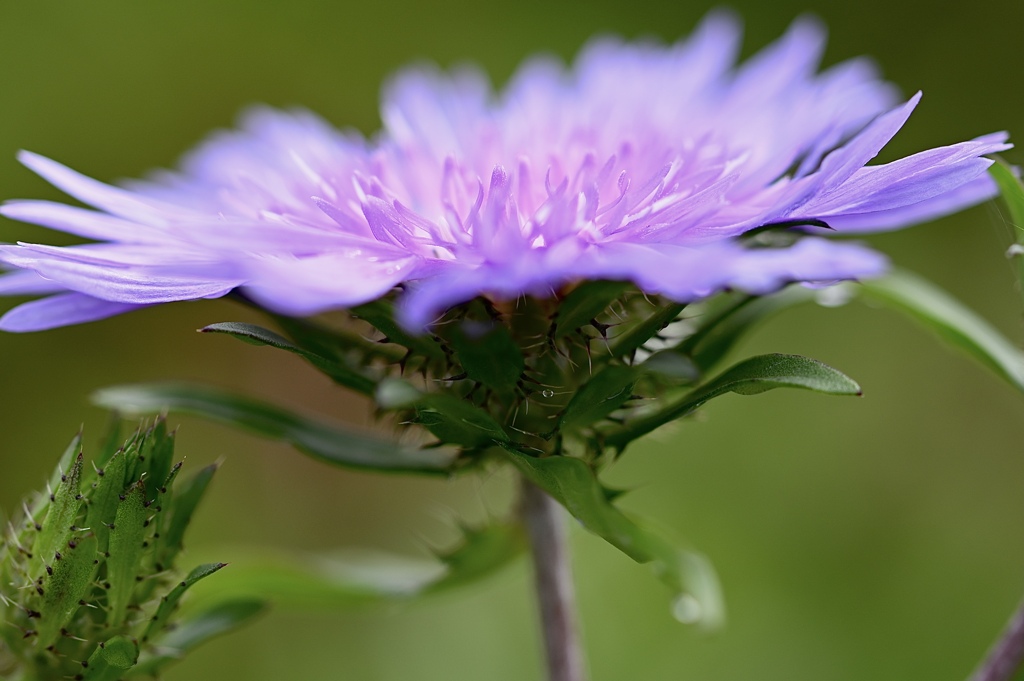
641 163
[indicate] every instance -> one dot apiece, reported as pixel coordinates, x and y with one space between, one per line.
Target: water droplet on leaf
548 393
687 609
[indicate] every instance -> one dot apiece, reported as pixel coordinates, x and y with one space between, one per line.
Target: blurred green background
877 538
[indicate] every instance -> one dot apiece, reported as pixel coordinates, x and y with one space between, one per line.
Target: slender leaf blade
257 335
961 327
170 602
222 618
584 303
696 593
752 376
1012 191
330 443
348 579
722 331
111 659
605 392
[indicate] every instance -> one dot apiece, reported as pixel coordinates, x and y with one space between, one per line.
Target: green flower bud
88 585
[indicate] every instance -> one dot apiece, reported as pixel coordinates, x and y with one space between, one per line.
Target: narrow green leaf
584 303
488 354
104 500
169 602
481 553
605 392
633 337
112 659
257 335
696 593
721 330
749 377
451 419
333 343
1013 195
1012 190
127 537
381 315
158 454
65 504
67 460
950 319
221 619
333 444
349 579
174 520
455 421
66 584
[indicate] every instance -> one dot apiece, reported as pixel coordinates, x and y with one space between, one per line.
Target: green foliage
452 420
488 354
112 659
380 314
731 319
605 392
584 304
194 630
749 377
696 594
332 443
337 371
88 581
955 323
1013 196
346 579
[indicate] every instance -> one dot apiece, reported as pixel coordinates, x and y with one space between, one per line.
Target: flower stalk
548 535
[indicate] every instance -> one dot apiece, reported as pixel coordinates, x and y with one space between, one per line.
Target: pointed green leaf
488 354
480 554
173 521
348 579
1013 195
67 582
67 460
950 319
257 335
451 419
721 329
696 593
221 619
65 504
456 421
1012 190
636 335
584 303
127 537
333 343
331 443
749 377
381 315
169 602
605 392
112 659
158 454
104 500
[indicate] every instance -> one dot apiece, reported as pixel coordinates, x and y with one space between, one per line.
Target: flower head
641 162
